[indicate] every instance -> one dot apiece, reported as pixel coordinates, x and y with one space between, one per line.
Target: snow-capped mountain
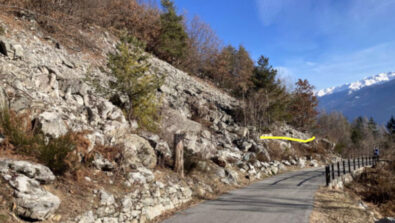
371 97
368 81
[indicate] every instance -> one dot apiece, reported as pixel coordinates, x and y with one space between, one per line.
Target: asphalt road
286 197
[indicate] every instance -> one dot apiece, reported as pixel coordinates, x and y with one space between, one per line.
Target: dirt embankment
371 196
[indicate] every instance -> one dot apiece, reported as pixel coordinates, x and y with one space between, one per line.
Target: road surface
286 197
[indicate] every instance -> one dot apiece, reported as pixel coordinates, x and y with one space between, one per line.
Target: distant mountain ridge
371 97
351 87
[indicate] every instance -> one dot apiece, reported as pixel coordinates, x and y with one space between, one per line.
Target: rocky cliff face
51 83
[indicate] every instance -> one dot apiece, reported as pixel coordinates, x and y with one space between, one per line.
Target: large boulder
33 202
35 171
161 147
136 150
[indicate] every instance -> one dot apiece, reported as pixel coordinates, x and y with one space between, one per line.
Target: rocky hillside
122 173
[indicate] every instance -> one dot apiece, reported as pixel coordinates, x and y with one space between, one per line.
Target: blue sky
328 42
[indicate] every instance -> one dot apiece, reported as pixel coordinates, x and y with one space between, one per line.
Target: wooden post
338 169
179 154
344 167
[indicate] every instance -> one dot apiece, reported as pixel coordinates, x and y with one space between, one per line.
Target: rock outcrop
32 201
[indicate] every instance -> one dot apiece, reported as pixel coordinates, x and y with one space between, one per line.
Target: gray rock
301 162
274 170
314 163
36 171
51 124
137 150
3 99
87 217
106 198
246 146
249 157
286 163
18 51
32 201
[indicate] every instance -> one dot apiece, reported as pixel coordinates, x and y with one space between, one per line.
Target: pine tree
129 66
391 125
372 125
172 44
264 76
357 131
267 100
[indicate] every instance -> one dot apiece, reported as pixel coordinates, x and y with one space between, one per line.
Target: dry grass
333 206
377 186
63 20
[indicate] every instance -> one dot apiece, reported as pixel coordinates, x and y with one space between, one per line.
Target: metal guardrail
352 164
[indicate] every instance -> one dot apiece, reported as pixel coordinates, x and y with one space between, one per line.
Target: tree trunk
130 110
179 154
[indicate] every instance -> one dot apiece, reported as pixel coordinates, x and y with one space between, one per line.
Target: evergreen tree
129 66
357 131
391 125
372 125
268 100
172 43
264 76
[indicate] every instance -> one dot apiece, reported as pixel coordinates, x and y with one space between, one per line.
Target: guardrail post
327 175
333 171
359 163
344 167
354 162
338 169
349 166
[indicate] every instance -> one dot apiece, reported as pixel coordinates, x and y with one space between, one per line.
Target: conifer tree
172 43
268 100
372 125
129 66
391 125
264 76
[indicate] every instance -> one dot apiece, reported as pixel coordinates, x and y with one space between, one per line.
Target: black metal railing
340 168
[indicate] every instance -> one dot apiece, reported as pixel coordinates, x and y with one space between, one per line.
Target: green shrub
23 140
130 67
18 134
2 31
55 153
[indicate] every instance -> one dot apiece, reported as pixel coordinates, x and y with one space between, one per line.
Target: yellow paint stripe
289 138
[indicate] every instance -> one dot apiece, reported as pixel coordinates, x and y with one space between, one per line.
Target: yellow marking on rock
289 138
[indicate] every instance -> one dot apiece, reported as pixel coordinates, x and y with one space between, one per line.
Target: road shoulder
337 206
